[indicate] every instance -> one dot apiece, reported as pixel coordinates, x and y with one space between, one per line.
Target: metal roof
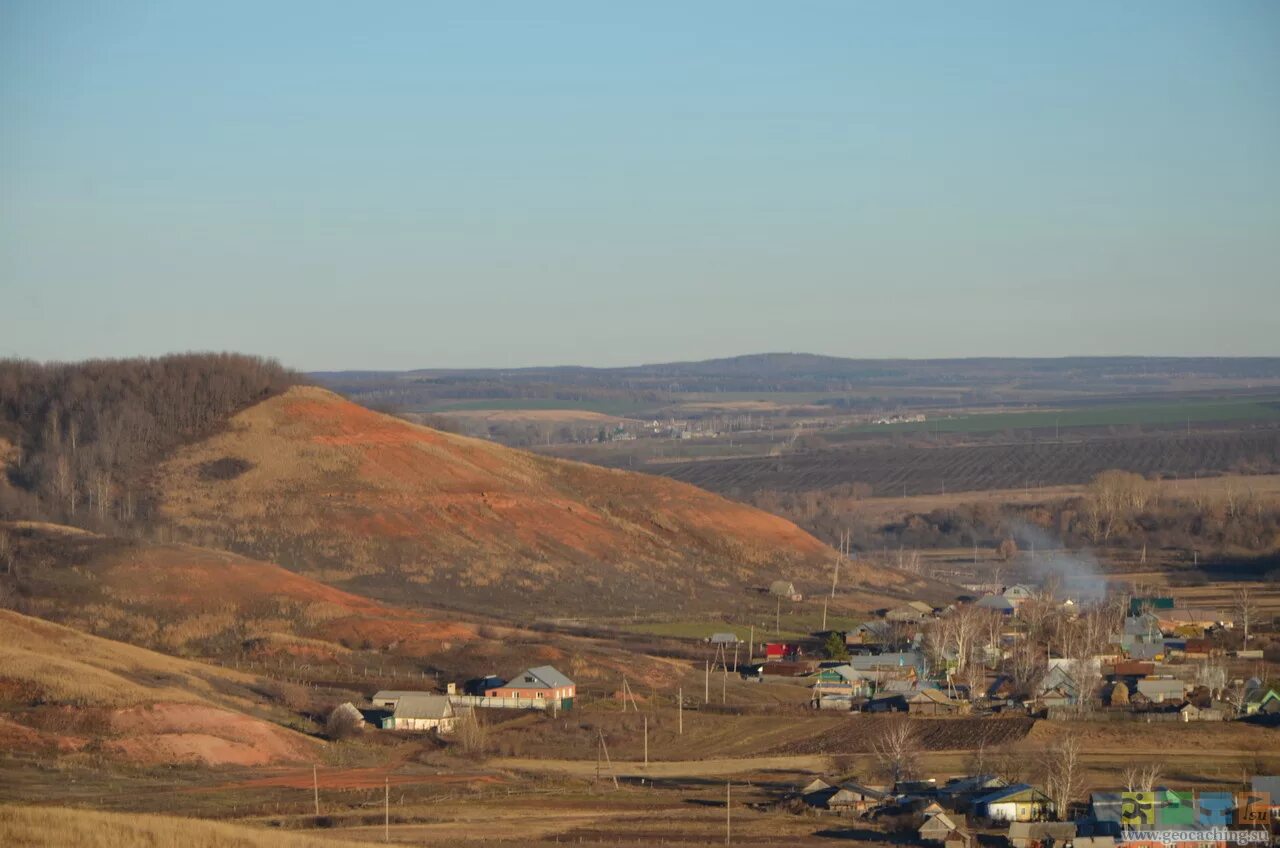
419 705
1009 792
541 677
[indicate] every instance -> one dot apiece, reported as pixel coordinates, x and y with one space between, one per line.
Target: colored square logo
1215 808
1137 810
1253 808
1177 809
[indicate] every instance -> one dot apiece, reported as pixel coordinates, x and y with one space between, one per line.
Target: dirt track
356 778
678 768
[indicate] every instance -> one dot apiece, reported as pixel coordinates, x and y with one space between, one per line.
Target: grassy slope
62 826
135 703
345 493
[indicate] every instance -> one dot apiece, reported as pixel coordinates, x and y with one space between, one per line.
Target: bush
344 722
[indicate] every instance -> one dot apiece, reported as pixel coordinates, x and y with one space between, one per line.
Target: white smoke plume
1076 572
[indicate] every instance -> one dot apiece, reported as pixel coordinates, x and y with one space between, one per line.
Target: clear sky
383 185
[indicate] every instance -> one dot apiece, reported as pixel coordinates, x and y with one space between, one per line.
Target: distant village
1008 651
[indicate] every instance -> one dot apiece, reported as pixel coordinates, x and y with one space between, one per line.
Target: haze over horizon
424 186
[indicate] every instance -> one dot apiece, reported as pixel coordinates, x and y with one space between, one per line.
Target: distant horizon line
868 359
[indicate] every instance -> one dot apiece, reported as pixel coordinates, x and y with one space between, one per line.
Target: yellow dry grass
36 827
69 667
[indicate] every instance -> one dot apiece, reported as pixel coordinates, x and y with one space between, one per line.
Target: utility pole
706 682
679 712
728 815
835 572
751 645
608 761
777 617
386 810
735 657
724 682
315 784
824 614
646 741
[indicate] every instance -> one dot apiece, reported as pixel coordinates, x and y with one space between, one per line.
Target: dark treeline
80 437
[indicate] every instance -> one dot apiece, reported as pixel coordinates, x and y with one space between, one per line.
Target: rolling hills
388 508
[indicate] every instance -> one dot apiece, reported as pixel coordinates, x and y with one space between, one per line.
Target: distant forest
76 440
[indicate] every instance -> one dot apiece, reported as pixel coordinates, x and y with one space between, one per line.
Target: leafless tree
1246 610
1114 497
897 748
1142 777
1063 771
472 734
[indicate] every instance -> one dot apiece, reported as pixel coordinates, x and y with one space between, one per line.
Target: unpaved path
672 768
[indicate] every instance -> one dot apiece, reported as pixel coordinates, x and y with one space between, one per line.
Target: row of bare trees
898 750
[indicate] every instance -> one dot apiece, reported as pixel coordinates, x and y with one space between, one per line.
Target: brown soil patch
167 732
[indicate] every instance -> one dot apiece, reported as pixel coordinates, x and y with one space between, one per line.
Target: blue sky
390 185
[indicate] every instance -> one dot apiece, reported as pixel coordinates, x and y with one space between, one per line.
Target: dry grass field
59 827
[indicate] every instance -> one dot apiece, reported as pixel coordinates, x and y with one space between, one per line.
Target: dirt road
677 768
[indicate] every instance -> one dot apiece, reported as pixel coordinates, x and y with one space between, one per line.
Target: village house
1191 712
847 798
782 651
835 687
416 711
543 684
996 603
901 662
1021 802
854 799
961 838
1027 834
1159 690
868 634
934 702
909 613
958 794
936 828
1018 594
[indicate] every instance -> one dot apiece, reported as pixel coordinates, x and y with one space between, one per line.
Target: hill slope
322 485
65 690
